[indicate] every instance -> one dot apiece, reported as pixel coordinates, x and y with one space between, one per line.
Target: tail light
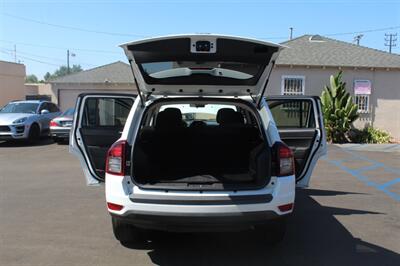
54 123
286 207
114 207
115 162
284 159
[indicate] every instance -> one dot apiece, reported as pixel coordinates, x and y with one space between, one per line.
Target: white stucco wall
64 94
384 100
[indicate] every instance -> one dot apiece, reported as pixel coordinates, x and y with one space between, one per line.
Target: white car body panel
119 188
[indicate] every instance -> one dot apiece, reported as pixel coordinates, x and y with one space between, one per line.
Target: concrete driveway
350 215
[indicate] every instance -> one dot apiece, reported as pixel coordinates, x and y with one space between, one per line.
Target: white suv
199 148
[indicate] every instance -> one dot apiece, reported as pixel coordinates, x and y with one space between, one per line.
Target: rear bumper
59 132
181 222
198 210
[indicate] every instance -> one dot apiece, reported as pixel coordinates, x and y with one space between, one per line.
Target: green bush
338 109
370 135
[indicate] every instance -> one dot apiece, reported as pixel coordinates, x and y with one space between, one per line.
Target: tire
34 133
56 140
126 233
273 232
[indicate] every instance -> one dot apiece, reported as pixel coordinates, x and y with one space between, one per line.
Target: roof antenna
357 38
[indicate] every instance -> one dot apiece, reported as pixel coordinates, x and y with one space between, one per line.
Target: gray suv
26 120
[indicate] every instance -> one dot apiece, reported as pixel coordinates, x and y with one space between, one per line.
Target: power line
31 59
73 28
45 57
146 36
35 55
24 55
363 31
61 48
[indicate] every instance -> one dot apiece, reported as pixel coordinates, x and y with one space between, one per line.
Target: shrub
370 135
338 109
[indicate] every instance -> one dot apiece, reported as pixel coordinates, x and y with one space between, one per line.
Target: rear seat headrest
169 118
228 116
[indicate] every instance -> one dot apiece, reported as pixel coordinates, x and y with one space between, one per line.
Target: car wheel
126 233
34 133
273 232
55 139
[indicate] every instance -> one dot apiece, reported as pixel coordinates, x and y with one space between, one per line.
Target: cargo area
200 146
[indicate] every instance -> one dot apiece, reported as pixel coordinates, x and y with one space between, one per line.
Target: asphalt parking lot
350 215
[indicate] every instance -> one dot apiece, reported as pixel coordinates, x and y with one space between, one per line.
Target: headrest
169 118
228 116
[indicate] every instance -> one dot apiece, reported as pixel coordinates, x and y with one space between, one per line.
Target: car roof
29 101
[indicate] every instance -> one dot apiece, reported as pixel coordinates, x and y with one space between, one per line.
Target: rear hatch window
216 72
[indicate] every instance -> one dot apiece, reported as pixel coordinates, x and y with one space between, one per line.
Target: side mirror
44 111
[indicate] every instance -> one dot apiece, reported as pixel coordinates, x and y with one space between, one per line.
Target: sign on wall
362 87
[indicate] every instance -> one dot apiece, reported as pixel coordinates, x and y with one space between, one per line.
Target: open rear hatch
201 153
201 65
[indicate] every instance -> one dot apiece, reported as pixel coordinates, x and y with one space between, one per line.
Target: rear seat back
204 149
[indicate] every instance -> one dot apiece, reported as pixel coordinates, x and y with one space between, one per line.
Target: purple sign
362 87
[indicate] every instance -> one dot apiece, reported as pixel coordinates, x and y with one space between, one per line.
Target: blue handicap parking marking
359 172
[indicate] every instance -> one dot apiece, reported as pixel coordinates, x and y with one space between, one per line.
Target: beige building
12 82
372 77
114 77
303 68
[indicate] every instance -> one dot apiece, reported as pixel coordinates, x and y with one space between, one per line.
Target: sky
43 31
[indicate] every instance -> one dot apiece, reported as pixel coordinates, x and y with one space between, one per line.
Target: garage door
67 98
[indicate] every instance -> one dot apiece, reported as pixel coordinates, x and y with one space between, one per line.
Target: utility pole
15 53
357 38
68 55
390 40
291 33
68 61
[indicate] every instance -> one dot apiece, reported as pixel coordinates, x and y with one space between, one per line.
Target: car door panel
98 122
300 124
300 142
97 143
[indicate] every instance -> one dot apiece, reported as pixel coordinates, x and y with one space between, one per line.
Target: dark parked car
61 125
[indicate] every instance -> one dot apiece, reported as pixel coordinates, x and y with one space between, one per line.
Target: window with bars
362 101
293 85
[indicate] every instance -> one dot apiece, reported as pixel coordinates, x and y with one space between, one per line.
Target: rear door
99 120
300 123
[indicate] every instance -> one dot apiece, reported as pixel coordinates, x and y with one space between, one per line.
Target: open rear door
98 122
300 123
